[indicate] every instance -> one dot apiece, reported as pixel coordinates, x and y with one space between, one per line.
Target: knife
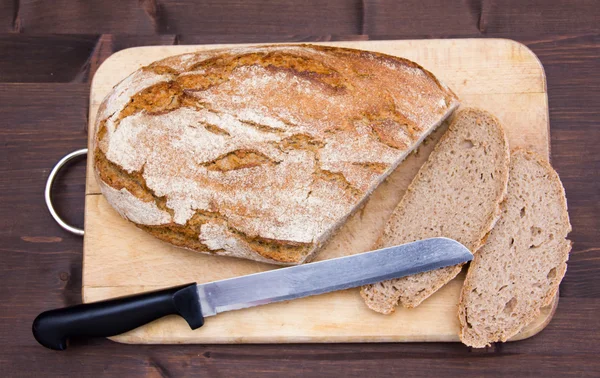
194 302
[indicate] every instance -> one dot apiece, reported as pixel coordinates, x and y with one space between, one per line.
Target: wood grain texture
411 19
40 265
538 356
499 75
63 57
7 13
192 17
493 18
39 122
572 65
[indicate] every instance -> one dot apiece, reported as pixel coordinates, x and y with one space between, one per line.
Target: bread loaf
518 270
456 194
260 152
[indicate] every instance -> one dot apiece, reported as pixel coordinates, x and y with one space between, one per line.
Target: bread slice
519 268
260 152
456 194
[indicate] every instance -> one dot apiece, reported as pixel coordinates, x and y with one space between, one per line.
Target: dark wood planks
26 58
191 17
40 264
411 18
54 47
471 18
547 354
40 123
56 58
7 13
571 64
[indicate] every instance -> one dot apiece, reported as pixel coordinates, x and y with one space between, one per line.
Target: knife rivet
64 276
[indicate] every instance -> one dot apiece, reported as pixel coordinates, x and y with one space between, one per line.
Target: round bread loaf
260 152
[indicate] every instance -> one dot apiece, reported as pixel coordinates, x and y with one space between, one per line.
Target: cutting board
501 76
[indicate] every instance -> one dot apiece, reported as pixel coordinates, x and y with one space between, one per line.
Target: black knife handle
53 328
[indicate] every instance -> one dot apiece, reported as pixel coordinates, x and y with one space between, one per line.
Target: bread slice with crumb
518 270
456 194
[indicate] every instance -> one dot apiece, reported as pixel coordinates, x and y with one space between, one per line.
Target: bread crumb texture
456 194
519 269
260 152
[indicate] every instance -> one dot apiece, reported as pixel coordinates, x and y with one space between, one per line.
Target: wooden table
49 51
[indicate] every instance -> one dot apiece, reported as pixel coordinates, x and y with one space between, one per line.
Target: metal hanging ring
47 192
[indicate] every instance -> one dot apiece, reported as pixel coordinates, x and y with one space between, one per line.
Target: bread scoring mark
157 98
102 130
301 142
238 159
219 68
215 129
118 178
177 235
188 235
262 127
132 208
160 69
308 143
355 54
185 235
228 62
280 250
338 178
200 82
392 62
188 101
386 132
392 128
333 85
121 94
378 168
161 98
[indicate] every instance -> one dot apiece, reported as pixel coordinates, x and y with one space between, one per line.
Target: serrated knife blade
330 275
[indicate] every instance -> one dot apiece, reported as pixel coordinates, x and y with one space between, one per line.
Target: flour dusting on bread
261 152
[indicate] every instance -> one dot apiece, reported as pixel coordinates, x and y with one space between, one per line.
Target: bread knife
194 302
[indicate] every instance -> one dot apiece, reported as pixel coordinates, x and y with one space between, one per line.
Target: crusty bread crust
456 194
519 269
260 152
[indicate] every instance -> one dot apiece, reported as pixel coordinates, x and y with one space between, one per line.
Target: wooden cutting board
501 76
